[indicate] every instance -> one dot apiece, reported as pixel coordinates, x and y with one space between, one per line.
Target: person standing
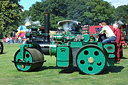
118 39
109 33
13 35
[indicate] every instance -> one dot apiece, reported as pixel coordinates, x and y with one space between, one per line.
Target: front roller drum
33 60
91 60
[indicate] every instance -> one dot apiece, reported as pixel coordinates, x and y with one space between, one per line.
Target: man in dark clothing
13 35
100 23
101 36
118 39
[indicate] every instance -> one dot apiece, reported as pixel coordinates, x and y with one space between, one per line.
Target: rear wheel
124 46
1 47
26 63
91 59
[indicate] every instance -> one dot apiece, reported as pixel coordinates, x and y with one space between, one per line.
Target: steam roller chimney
46 26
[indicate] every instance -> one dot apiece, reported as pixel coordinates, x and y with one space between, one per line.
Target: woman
109 33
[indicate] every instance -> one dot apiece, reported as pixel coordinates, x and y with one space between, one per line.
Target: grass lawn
49 74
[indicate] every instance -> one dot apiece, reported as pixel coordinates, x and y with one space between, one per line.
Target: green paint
86 37
100 45
22 49
110 61
94 37
76 44
53 50
27 34
25 60
58 36
63 56
111 56
69 38
96 54
110 48
21 57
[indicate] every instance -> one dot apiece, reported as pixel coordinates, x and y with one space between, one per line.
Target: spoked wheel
91 59
33 60
1 47
124 46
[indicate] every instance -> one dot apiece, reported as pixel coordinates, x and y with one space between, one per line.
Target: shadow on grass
49 67
64 69
3 53
112 69
69 70
124 57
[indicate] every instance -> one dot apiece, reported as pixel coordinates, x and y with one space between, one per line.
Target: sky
117 3
28 3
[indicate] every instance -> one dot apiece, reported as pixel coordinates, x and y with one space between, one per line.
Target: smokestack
46 26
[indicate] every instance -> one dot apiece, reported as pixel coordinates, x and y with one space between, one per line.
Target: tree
85 11
121 13
76 9
9 16
59 10
25 14
39 8
99 10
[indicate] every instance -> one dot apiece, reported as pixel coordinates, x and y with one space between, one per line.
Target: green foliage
59 10
23 15
85 11
76 9
99 10
37 12
9 16
121 13
54 20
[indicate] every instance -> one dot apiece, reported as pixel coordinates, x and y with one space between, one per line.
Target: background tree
121 13
9 16
85 11
37 12
25 14
59 10
99 10
76 9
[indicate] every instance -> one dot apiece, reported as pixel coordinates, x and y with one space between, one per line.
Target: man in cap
101 36
118 40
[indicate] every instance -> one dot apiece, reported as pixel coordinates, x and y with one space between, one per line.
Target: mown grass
49 74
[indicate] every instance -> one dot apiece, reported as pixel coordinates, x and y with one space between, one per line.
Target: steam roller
74 49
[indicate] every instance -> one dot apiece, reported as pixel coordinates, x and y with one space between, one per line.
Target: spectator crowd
13 39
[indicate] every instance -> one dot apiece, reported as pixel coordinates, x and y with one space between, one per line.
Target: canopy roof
64 21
